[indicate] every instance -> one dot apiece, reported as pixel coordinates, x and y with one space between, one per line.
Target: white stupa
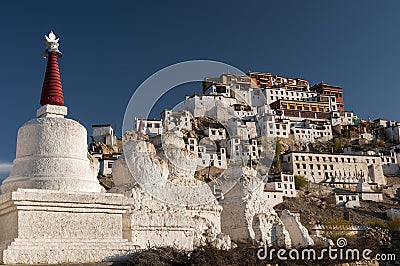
51 149
51 211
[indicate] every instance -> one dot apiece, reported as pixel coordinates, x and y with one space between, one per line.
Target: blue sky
110 47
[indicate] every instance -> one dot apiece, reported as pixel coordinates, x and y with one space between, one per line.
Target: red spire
52 89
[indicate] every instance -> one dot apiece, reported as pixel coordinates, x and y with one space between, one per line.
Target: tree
300 182
278 150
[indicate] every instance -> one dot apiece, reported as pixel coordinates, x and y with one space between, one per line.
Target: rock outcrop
152 181
298 233
247 218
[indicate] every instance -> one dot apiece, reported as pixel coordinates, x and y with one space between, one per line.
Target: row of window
341 198
152 124
317 133
329 159
292 93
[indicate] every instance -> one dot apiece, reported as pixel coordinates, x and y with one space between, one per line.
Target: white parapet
43 226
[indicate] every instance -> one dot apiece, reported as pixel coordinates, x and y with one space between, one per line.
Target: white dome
52 154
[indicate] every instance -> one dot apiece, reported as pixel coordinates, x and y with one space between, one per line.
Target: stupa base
52 227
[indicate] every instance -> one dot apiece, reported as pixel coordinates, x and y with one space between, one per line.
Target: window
110 164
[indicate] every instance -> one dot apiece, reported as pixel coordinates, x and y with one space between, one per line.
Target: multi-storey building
325 89
321 107
211 105
274 94
243 82
215 134
242 150
282 182
344 118
151 127
319 167
267 80
173 121
105 148
104 134
242 129
205 158
311 131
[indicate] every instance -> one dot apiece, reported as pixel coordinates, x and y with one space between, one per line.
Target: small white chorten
51 149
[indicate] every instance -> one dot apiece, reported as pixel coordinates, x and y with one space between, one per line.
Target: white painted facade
242 150
366 193
318 167
272 197
347 199
205 158
243 130
309 131
344 119
151 127
392 133
274 94
104 134
207 105
176 121
390 163
216 134
106 165
282 182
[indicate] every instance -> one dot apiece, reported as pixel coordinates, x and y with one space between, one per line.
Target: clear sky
110 47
